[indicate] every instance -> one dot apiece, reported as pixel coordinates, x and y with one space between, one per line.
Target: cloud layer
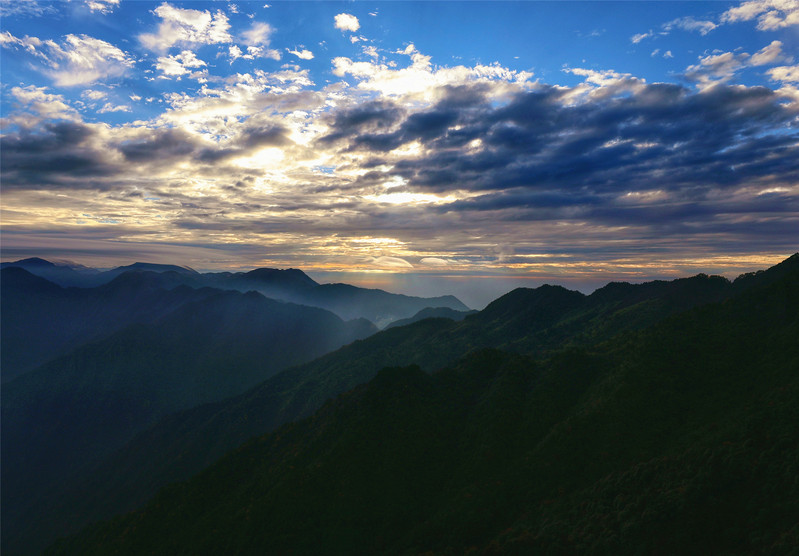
392 162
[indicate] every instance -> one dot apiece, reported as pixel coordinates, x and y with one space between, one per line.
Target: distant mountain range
510 430
293 285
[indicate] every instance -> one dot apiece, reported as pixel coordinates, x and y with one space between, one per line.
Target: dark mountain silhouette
293 285
67 414
41 320
433 313
537 322
62 273
677 437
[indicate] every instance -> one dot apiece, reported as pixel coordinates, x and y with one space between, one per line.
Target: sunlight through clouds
208 127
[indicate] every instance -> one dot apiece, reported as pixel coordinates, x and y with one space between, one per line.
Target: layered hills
673 436
292 285
448 432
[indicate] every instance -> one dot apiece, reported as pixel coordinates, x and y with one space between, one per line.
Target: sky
421 147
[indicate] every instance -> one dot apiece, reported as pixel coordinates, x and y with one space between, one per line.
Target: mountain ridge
500 453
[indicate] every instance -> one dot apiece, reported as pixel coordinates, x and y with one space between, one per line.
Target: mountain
675 438
433 313
41 320
64 273
292 285
537 322
68 414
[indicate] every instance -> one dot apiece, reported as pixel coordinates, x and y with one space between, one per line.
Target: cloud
690 23
37 102
102 6
257 39
687 23
93 95
722 67
347 22
767 55
186 27
418 162
30 44
78 60
420 77
108 107
302 54
435 262
770 14
179 65
258 34
789 74
28 8
391 262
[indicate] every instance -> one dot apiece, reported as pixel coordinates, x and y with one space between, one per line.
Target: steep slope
680 438
41 320
67 414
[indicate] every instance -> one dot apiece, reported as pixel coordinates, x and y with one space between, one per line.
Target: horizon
425 148
475 291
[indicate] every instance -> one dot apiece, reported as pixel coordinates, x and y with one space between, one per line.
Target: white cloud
30 44
668 54
252 53
391 262
770 14
28 8
722 67
186 27
347 22
78 60
257 39
180 64
420 78
788 74
635 39
108 107
258 34
435 262
93 95
302 54
102 6
767 55
42 103
690 24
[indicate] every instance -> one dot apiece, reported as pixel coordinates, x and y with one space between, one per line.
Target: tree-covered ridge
679 437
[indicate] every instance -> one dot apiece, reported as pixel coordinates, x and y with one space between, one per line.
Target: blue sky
398 143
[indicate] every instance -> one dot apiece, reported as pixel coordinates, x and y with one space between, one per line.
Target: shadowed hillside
676 438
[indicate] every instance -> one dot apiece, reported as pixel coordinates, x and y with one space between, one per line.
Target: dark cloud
652 136
57 154
161 145
364 118
270 136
